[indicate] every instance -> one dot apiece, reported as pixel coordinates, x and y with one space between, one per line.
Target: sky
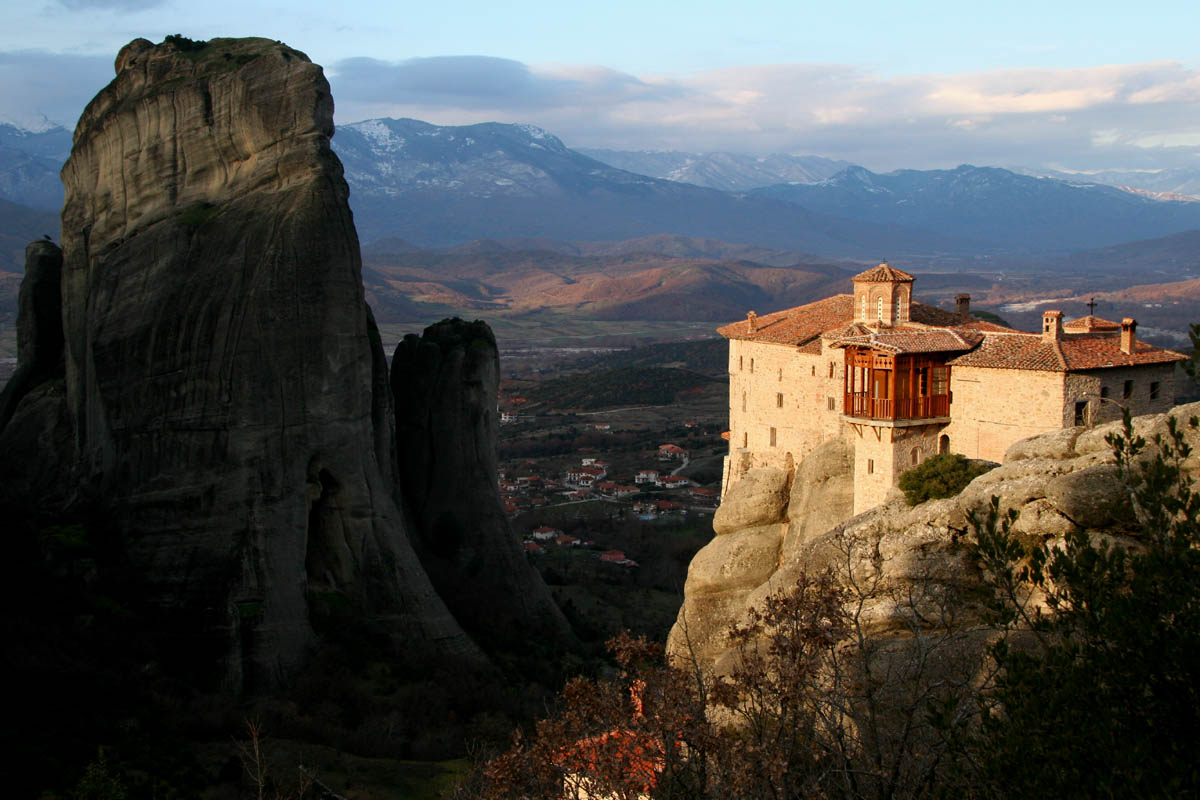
919 84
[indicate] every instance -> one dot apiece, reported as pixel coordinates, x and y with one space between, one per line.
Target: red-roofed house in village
671 452
903 381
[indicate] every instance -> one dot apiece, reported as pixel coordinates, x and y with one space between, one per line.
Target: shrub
184 44
943 475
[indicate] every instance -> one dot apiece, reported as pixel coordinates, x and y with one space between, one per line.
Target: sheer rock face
39 326
225 381
1059 482
445 384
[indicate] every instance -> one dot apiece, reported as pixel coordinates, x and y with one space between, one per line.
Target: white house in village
902 381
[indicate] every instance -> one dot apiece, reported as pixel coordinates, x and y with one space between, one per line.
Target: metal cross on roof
1092 307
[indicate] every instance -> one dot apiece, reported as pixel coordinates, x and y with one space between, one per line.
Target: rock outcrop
445 384
1058 483
226 393
39 326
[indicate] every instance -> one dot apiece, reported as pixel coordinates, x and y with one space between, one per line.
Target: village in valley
611 505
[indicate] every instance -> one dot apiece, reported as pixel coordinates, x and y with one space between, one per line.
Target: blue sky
887 84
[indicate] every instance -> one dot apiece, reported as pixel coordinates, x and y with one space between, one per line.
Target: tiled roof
883 274
795 325
914 340
803 325
1091 323
1069 354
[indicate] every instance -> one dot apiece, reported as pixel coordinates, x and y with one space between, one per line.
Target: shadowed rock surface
445 384
226 392
39 326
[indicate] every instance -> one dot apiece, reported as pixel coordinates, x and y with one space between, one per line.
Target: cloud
481 83
1115 116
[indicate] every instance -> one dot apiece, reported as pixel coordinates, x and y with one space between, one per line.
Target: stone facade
789 385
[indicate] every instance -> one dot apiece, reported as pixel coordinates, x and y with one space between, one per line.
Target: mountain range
442 186
731 172
1011 211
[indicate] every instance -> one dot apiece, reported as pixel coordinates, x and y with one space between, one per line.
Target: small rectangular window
832 403
1155 390
814 369
1081 412
745 439
1127 390
832 367
1104 391
781 373
741 365
778 400
772 437
752 365
870 466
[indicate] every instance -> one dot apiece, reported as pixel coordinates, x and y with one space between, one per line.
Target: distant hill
1174 256
706 356
1018 212
1161 182
615 287
627 386
731 172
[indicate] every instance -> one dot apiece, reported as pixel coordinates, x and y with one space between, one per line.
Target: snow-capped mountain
994 205
1162 184
731 172
29 164
447 185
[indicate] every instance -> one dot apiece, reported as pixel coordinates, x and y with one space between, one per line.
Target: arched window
944 444
915 456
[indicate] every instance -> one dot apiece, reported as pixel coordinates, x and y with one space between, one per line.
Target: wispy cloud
1126 116
1108 116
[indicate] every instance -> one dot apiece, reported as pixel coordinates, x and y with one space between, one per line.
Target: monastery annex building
902 381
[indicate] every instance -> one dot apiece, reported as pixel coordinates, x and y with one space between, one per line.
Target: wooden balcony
864 406
895 388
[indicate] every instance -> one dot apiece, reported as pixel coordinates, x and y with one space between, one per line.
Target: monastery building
902 381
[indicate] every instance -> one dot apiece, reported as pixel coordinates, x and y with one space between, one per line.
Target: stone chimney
1052 329
962 305
1128 335
751 321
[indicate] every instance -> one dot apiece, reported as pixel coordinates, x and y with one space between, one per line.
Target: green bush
943 475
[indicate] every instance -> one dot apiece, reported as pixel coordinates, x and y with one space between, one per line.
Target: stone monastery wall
782 403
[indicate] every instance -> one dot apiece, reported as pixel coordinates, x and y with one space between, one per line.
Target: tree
1098 695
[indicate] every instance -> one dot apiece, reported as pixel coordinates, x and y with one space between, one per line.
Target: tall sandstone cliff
901 560
226 393
445 383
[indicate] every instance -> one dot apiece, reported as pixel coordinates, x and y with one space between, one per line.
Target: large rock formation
39 326
900 558
445 384
226 392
